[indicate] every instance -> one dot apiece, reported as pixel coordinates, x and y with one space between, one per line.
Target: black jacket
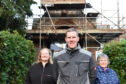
40 75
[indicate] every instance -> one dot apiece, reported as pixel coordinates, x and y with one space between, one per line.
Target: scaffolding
84 20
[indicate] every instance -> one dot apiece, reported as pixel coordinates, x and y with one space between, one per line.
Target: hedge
16 56
117 53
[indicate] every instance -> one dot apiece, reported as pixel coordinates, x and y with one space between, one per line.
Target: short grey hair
102 55
72 30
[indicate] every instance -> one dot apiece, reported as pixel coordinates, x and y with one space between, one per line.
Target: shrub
16 56
117 53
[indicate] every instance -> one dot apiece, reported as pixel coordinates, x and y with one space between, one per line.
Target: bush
117 53
16 56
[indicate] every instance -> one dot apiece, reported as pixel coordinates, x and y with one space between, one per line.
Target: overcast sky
107 7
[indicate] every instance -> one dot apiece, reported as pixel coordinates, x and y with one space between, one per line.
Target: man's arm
92 71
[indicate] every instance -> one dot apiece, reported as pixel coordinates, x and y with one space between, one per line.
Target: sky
107 8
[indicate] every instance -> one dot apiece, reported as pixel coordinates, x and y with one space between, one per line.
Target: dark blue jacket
108 76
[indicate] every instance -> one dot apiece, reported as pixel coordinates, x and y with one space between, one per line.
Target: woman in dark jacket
42 71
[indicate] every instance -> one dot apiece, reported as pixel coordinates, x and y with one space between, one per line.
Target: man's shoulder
60 53
85 52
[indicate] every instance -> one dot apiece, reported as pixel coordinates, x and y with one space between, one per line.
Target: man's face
72 39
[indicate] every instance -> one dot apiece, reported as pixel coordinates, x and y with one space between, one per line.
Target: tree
13 13
117 54
16 56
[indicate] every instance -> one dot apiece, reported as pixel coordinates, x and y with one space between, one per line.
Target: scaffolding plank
62 1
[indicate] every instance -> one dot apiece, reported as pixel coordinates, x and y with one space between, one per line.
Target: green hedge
117 53
16 56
